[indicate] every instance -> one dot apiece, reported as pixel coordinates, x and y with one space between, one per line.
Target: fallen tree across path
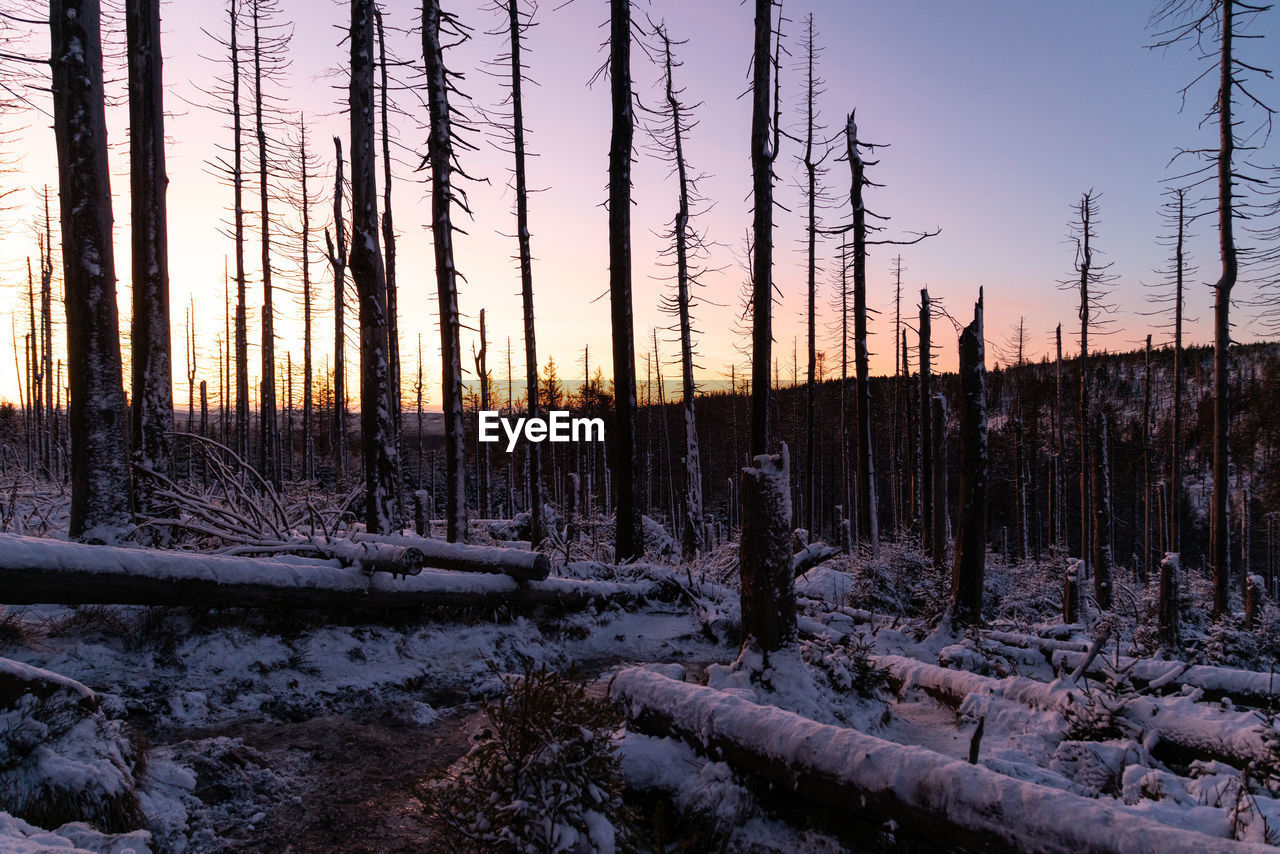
41 571
943 802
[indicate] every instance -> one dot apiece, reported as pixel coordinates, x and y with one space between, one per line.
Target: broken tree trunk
938 481
940 802
971 523
518 563
765 559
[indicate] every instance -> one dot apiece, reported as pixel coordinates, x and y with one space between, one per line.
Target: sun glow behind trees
982 152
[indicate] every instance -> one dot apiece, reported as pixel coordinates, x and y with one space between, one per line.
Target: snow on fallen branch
945 801
38 571
1209 733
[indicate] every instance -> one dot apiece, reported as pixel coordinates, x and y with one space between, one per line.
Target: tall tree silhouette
1212 28
441 157
99 456
628 539
152 372
378 442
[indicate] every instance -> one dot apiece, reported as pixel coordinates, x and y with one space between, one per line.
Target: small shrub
545 779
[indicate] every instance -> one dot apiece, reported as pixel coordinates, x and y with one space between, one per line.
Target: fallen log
374 557
1248 687
1231 737
40 571
517 563
942 802
810 556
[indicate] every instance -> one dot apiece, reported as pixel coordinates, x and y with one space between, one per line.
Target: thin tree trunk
338 262
1218 523
377 436
692 535
534 450
389 269
152 370
926 428
237 180
1101 557
482 458
269 450
440 155
628 539
1147 564
99 451
1175 450
971 522
308 429
938 480
868 505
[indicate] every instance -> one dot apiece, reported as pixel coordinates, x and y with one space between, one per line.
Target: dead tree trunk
269 441
337 251
152 371
971 521
768 582
534 450
868 505
768 589
628 539
237 182
692 536
1169 631
99 455
926 429
394 368
377 428
482 458
1175 449
1101 501
308 426
1218 523
1147 564
440 153
938 480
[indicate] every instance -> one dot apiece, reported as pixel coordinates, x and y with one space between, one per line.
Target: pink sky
997 118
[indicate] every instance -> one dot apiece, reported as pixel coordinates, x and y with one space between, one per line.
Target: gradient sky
997 117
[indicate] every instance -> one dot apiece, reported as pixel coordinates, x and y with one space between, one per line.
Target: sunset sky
997 117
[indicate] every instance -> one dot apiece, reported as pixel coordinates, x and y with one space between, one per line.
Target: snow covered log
944 803
1249 687
375 557
39 571
810 556
1208 733
517 563
18 679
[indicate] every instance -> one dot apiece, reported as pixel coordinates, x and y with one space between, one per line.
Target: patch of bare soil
360 780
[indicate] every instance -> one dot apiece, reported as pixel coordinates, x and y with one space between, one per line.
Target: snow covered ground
244 731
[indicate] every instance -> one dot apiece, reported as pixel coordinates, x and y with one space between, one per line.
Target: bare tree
768 588
152 361
99 455
441 157
813 166
377 424
336 246
971 516
689 250
1212 27
628 538
1090 282
518 23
